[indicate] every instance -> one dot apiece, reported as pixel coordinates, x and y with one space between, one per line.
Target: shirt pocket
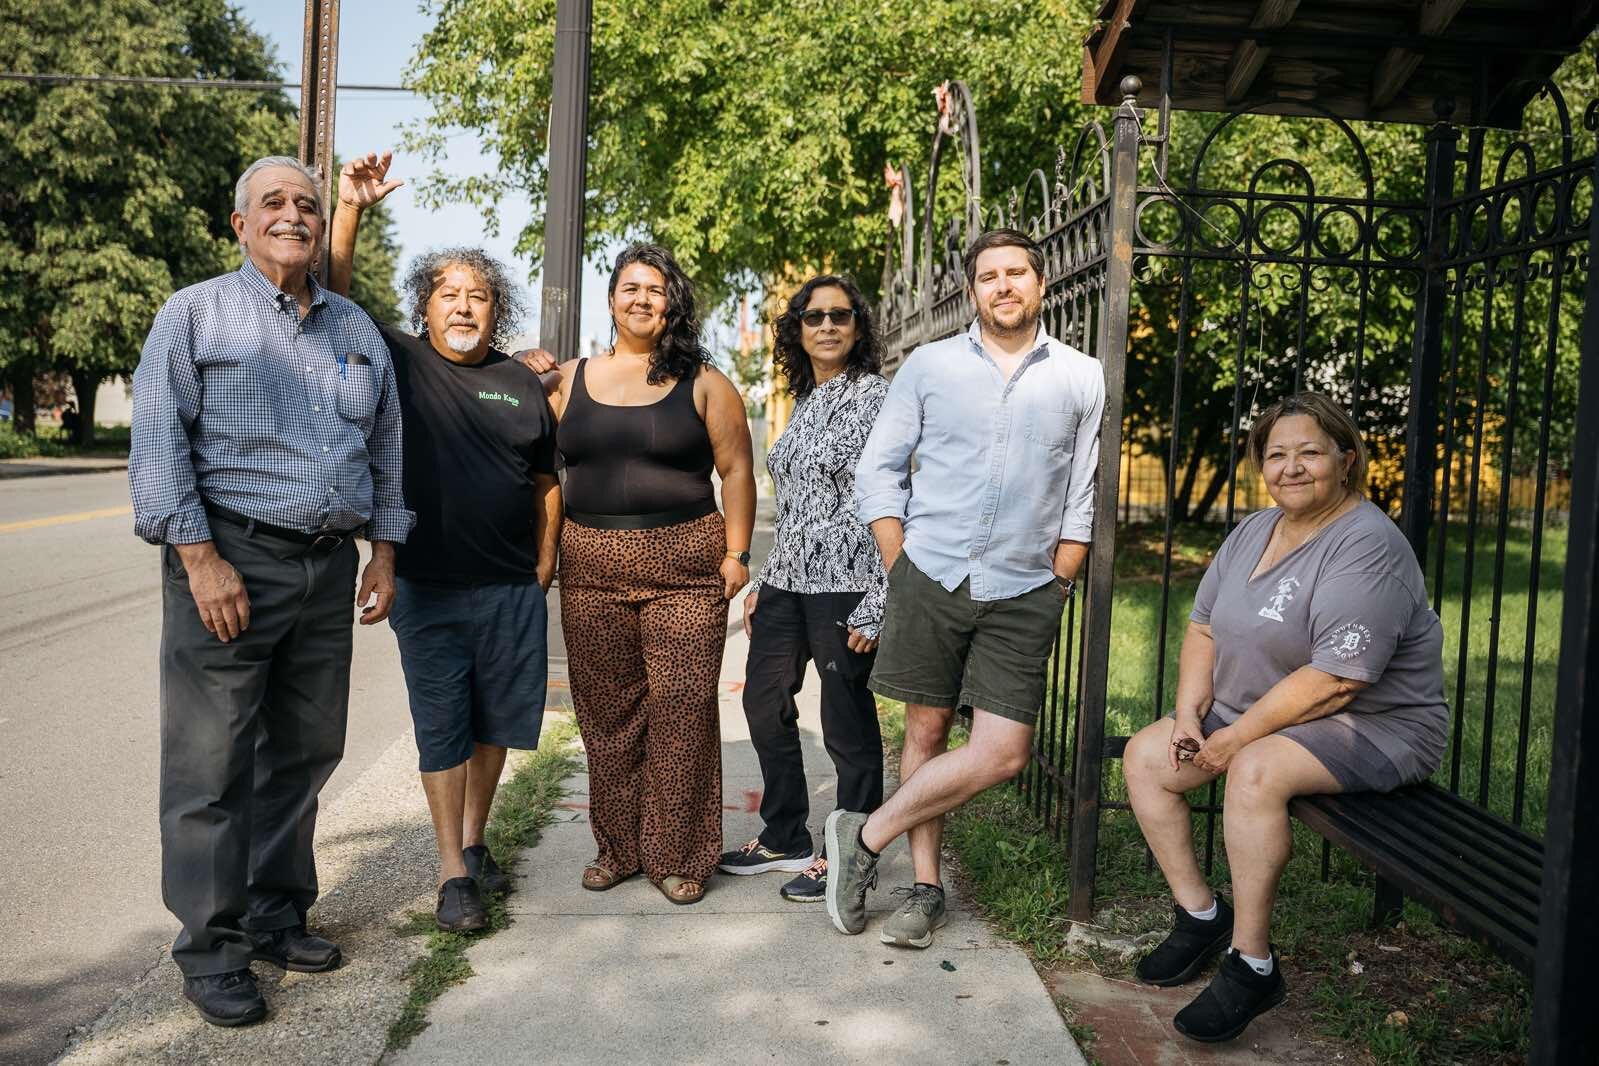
1055 429
356 396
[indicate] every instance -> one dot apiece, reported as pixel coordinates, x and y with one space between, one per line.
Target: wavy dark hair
428 268
788 349
679 353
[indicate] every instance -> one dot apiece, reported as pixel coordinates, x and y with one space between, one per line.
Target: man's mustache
291 229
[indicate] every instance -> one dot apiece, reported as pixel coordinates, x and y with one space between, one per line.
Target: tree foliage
750 136
113 197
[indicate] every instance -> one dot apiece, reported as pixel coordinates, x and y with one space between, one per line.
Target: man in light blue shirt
266 435
982 542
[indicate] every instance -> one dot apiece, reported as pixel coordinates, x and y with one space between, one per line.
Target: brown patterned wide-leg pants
644 620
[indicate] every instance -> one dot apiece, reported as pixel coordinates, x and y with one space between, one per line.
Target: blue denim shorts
476 661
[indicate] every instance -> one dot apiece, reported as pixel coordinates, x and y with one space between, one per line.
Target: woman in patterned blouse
819 598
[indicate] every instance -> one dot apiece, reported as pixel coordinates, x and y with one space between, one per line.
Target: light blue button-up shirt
241 402
1004 469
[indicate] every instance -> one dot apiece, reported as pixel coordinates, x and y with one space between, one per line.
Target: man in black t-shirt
469 608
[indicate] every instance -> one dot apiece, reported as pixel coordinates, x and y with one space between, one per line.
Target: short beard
457 343
1026 327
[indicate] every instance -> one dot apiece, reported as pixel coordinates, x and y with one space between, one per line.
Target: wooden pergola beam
1250 55
1396 67
1104 48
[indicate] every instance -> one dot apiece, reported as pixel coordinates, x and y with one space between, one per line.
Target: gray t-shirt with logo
1351 602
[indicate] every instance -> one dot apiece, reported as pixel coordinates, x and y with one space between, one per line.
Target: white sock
1263 967
1207 914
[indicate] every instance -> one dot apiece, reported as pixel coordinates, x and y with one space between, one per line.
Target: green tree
113 197
750 136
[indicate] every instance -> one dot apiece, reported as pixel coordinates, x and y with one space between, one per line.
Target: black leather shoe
295 949
226 998
1192 942
481 867
461 907
1234 998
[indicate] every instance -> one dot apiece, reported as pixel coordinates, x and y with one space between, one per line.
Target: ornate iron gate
1441 313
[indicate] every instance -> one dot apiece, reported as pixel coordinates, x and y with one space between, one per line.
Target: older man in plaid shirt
266 435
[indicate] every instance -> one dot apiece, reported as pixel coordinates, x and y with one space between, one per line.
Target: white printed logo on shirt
1349 640
1280 599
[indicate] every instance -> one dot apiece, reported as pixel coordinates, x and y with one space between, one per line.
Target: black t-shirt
474 438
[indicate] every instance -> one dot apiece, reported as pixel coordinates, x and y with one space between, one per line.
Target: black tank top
645 460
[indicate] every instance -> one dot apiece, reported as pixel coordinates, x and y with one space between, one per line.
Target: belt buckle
326 543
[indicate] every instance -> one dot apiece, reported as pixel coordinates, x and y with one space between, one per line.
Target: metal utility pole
568 159
319 69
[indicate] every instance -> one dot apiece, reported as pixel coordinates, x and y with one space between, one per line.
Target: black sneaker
295 949
481 867
460 908
1190 945
757 858
228 999
1234 998
810 886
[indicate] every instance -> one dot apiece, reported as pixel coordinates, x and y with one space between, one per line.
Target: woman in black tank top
648 566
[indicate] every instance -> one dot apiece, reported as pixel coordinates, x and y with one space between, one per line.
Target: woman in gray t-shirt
1312 664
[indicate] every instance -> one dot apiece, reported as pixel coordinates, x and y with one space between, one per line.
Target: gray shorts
1337 743
944 649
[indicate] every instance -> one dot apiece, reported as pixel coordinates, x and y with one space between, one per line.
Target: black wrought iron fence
1441 308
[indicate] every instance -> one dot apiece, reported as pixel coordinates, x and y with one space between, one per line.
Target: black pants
250 732
790 629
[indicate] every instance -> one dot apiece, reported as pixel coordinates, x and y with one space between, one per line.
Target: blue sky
376 41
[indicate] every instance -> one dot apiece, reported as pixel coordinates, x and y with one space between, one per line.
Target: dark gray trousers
250 732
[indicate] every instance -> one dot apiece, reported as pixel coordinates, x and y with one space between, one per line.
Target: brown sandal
681 890
597 878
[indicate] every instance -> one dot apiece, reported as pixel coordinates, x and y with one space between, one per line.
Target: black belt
653 520
324 543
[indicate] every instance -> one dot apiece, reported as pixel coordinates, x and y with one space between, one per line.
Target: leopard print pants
644 620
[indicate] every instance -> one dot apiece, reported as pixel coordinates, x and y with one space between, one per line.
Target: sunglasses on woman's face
839 316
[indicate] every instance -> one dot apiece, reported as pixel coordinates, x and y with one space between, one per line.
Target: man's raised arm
362 182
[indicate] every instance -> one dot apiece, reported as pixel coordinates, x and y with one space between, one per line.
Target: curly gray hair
241 191
427 272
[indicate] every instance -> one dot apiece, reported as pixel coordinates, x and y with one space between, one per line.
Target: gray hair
241 191
427 270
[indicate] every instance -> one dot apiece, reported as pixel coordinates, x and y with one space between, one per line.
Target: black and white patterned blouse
820 545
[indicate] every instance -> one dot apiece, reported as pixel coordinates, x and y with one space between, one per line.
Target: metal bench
1477 872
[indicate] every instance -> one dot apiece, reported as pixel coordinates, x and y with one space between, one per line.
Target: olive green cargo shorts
943 649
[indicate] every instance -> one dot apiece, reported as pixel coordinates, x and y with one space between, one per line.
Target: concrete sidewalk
744 976
44 466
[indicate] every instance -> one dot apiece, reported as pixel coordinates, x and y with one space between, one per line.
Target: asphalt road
80 620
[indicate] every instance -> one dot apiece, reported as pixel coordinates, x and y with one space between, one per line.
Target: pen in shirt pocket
344 362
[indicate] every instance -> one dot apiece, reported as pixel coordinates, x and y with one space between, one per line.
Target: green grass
111 442
521 811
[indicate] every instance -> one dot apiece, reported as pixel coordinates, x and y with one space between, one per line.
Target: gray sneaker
852 870
923 911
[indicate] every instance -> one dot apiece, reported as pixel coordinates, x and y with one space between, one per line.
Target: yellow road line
63 519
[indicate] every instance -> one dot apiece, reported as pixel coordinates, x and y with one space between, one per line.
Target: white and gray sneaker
912 925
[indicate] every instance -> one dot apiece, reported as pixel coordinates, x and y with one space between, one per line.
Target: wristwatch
1067 586
742 557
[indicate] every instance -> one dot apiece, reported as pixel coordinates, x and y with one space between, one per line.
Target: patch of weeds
522 809
1085 1037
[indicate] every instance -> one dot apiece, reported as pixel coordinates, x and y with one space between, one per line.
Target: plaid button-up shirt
240 402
